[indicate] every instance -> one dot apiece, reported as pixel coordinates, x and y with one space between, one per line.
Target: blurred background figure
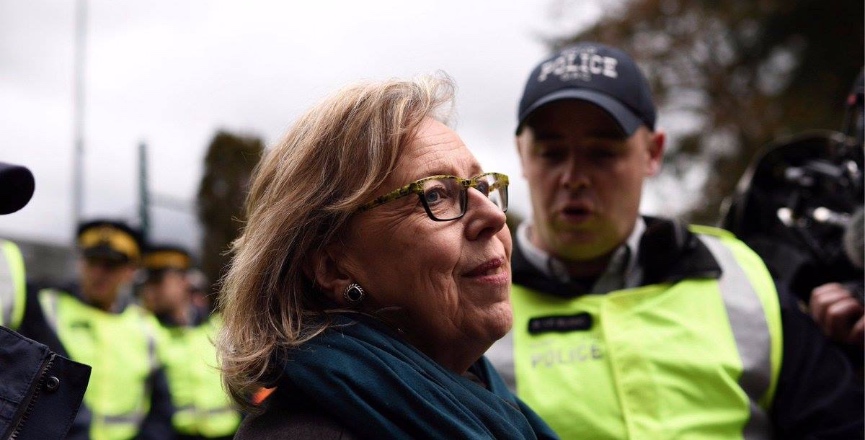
173 291
95 322
838 306
199 290
16 188
800 206
40 390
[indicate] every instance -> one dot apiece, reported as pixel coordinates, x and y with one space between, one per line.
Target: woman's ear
326 273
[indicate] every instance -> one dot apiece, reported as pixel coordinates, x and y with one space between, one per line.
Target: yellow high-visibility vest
13 285
120 347
201 405
699 358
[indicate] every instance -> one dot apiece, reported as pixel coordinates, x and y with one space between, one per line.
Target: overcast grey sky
171 73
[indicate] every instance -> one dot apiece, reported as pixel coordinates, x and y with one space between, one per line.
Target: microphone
16 187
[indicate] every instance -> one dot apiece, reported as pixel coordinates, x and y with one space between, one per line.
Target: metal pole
78 110
143 193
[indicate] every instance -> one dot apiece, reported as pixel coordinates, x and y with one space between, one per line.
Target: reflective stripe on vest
12 284
121 352
202 407
691 359
752 334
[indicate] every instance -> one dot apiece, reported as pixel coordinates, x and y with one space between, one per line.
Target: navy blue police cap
592 72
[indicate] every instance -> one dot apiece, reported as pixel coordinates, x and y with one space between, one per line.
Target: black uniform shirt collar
667 253
622 272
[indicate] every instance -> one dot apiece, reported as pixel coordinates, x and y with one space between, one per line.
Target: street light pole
143 192
78 110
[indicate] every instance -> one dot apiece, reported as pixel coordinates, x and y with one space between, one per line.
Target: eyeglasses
446 198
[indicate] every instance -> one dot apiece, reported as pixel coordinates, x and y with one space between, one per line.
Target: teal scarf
379 386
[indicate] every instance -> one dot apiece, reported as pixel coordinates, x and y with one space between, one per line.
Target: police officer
16 188
628 326
202 409
96 322
40 390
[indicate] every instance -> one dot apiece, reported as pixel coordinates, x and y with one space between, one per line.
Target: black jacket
280 419
40 391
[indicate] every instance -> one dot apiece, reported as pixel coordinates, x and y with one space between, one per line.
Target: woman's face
446 285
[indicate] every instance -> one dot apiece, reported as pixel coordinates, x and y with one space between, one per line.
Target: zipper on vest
32 397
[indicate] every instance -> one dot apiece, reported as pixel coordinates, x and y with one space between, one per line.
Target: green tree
747 72
227 169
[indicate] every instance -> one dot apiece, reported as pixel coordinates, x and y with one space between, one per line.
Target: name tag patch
560 323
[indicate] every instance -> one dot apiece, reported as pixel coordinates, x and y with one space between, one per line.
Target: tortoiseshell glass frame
416 187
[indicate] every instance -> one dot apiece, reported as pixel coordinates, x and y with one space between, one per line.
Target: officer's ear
129 271
522 141
655 144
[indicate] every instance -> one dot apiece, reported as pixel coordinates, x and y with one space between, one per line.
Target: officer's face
585 178
101 280
167 294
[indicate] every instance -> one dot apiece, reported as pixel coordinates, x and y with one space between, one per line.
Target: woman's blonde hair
302 193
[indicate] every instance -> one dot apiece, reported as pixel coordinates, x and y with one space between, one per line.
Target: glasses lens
444 198
496 189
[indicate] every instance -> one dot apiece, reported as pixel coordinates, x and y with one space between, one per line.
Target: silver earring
354 294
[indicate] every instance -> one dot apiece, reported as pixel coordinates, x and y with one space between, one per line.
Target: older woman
371 276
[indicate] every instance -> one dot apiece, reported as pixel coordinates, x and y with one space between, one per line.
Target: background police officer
95 322
202 409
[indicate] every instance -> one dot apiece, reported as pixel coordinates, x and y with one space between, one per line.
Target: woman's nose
484 218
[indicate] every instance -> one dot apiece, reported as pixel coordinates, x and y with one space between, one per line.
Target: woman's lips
495 266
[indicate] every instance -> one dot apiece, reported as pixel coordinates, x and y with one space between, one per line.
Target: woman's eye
483 187
435 195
